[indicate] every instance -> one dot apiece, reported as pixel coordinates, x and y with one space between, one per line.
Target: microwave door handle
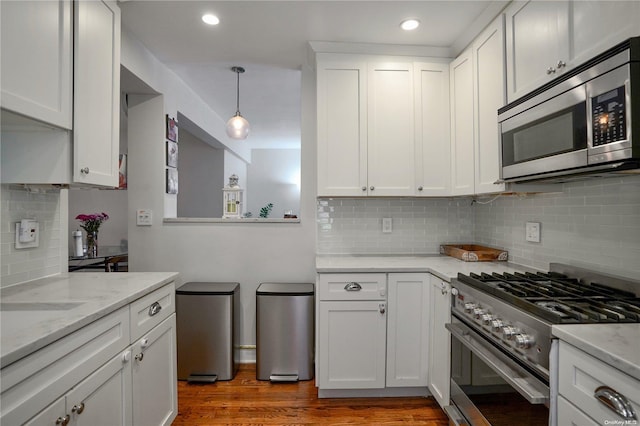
528 386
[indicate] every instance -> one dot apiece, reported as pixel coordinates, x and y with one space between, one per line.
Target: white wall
248 253
113 232
274 177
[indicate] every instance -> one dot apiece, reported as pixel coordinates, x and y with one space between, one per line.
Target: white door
154 396
352 342
96 119
462 135
342 129
408 330
432 127
391 146
489 95
439 341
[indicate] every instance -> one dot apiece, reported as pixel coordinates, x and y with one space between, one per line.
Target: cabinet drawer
151 310
352 286
34 382
569 414
581 374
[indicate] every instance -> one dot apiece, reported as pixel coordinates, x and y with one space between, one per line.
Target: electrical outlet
27 234
144 217
532 232
387 225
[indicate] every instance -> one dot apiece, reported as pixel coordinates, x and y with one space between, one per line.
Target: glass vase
92 244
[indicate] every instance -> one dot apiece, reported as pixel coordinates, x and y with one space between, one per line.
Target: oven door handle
527 385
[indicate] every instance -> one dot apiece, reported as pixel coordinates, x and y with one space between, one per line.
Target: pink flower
91 222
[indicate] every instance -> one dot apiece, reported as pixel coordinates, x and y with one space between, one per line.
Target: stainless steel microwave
583 122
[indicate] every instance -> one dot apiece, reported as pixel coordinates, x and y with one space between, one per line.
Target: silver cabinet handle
353 286
551 70
364 188
382 308
616 402
561 64
372 187
154 309
139 357
444 289
78 408
420 188
64 421
85 171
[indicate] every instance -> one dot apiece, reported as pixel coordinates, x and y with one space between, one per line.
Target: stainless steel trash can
284 331
207 315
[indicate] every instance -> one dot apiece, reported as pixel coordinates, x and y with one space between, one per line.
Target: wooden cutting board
473 252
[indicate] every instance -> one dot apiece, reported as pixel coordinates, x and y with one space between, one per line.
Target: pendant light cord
238 93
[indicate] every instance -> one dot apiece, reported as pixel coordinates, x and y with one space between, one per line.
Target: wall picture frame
172 181
172 154
172 129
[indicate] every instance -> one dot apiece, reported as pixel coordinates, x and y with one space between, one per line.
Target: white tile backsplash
18 266
594 224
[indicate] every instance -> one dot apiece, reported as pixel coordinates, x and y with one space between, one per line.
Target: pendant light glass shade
237 126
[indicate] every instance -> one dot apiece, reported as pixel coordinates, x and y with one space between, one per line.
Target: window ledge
247 220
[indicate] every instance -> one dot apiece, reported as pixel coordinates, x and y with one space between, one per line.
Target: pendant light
237 126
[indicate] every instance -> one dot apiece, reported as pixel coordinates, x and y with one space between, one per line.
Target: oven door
511 395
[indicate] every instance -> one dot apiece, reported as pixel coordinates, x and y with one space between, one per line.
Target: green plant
266 210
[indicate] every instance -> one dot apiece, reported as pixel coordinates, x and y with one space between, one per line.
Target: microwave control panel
609 117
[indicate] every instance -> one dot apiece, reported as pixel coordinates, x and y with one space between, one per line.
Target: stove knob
497 324
524 341
486 319
469 307
478 312
509 332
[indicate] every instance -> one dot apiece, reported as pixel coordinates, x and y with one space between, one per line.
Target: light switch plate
387 225
532 232
144 217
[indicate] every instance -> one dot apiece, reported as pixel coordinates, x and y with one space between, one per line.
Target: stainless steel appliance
586 121
504 321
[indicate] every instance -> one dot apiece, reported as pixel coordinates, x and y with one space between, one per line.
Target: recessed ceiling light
409 24
210 19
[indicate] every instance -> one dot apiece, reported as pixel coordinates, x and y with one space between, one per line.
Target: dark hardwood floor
247 401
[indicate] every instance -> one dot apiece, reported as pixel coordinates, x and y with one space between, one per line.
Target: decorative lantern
232 206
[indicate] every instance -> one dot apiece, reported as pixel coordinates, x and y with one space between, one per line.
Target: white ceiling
269 39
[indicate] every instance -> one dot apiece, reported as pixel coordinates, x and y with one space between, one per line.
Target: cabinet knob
420 188
126 356
551 70
561 64
371 188
382 308
84 171
139 357
78 408
364 188
64 421
154 309
144 342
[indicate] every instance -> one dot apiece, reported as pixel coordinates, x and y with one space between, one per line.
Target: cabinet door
53 415
36 60
570 415
537 44
96 119
489 95
390 159
432 126
342 129
598 26
408 330
439 340
352 343
104 398
462 144
155 400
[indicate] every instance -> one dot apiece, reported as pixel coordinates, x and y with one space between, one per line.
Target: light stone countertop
444 267
615 344
37 313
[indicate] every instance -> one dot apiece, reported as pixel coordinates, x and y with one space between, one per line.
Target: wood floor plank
245 401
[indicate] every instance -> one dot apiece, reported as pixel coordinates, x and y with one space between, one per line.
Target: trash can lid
286 289
207 288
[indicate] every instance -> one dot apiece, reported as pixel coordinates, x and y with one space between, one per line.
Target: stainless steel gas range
501 344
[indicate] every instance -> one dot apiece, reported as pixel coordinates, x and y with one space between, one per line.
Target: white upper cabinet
390 129
489 94
462 133
537 44
342 128
433 149
546 39
96 93
36 64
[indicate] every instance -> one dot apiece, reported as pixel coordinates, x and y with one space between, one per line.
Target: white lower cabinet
439 340
373 331
98 375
